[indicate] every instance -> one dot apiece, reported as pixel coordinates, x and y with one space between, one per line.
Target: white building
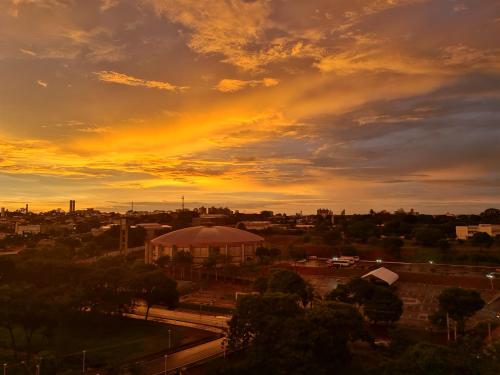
28 229
465 232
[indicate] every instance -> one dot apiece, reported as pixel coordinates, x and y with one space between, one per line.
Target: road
184 358
187 357
204 321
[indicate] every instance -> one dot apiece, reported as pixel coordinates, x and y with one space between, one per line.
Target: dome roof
207 236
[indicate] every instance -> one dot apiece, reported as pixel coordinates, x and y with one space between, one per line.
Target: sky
253 104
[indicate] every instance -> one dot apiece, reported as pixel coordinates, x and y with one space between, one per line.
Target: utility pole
183 203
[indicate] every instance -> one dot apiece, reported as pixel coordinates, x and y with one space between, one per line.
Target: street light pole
5 369
165 363
491 276
83 360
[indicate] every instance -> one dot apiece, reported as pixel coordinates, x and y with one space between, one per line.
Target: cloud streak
233 85
124 79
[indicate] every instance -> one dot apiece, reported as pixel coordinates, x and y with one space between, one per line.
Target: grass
108 341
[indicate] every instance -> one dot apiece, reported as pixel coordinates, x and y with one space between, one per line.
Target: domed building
201 241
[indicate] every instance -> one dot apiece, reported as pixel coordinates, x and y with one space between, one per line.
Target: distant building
153 228
2 212
210 219
255 225
465 232
324 212
28 229
72 206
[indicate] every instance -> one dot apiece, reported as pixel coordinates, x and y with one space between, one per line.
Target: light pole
169 338
37 369
491 277
165 363
5 369
83 360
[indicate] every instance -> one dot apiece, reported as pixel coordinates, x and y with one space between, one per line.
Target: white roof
383 274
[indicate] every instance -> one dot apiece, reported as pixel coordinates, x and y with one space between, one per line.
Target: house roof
383 274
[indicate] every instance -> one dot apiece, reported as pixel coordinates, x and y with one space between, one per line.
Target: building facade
203 241
465 232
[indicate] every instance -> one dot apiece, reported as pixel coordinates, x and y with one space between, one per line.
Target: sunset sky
285 105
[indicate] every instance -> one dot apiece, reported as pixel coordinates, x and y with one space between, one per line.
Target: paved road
187 357
184 358
203 320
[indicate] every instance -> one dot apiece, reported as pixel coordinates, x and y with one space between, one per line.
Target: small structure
381 275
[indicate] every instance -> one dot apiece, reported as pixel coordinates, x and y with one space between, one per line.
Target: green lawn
108 341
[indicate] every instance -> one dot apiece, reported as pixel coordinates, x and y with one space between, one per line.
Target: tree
274 252
332 237
356 291
383 306
256 314
163 261
460 304
362 230
296 253
286 339
262 252
290 282
155 288
393 245
260 284
491 216
348 250
183 259
380 303
444 245
482 239
468 357
428 236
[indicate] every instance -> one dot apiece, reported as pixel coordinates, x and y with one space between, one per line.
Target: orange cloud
233 85
123 79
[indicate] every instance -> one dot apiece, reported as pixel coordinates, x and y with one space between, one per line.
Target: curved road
190 356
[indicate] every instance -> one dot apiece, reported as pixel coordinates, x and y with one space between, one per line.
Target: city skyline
262 104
